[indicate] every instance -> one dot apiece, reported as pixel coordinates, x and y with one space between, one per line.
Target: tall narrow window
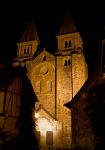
65 43
25 51
69 62
28 50
49 138
44 58
69 43
65 63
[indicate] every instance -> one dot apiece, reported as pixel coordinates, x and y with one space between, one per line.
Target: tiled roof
68 26
30 34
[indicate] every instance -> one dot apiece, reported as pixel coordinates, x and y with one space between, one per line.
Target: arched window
65 43
69 43
44 58
65 64
69 62
28 50
25 51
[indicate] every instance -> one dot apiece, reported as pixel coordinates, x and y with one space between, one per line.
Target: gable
43 113
44 56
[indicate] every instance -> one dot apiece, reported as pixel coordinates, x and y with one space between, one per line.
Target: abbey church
56 78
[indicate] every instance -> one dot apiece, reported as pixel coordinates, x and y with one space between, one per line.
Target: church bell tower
71 74
27 45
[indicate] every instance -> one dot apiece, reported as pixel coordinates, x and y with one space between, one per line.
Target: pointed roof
68 26
41 107
30 34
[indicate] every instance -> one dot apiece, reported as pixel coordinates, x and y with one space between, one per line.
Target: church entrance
45 142
45 133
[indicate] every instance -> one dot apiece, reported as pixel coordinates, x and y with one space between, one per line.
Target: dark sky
48 17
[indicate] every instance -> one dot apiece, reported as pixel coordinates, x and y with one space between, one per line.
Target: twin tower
55 78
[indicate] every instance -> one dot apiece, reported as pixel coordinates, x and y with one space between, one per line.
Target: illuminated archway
43 125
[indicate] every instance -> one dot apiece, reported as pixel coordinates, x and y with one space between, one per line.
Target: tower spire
28 42
30 34
68 25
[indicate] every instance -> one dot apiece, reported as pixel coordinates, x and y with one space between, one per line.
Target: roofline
85 88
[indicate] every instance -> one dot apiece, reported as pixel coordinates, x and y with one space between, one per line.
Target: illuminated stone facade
55 78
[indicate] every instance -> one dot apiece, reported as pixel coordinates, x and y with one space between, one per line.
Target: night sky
48 17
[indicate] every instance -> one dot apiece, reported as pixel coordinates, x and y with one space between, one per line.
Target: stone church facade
56 78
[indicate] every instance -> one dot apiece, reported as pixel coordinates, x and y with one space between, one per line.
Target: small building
82 110
16 96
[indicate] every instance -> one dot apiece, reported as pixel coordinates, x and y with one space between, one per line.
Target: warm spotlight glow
36 115
44 125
